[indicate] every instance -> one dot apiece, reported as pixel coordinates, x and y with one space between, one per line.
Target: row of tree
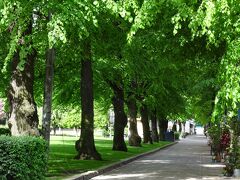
160 59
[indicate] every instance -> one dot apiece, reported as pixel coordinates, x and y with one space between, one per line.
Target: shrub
215 135
5 131
23 157
176 135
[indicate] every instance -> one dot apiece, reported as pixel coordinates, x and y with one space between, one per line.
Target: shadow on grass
62 151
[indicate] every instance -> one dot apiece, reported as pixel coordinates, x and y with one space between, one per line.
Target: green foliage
5 131
145 16
218 23
23 158
101 118
228 97
70 118
215 135
181 54
177 135
233 157
56 118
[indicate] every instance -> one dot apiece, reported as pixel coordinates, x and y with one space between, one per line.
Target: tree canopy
177 59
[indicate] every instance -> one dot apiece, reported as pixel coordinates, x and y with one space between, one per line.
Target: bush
215 135
5 131
23 158
176 135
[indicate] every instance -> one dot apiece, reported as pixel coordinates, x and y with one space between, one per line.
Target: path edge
90 174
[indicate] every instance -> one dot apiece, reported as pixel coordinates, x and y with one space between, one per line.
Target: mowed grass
62 151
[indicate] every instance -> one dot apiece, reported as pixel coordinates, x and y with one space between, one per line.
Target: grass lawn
62 151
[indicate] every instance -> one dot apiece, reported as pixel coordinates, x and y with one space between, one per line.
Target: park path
187 160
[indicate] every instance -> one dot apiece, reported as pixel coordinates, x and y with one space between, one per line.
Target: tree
21 55
48 88
85 15
131 16
120 121
28 37
86 147
155 136
110 65
134 138
23 111
145 122
163 127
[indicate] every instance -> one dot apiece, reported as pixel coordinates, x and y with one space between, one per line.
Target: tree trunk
155 136
54 130
134 138
145 123
174 128
180 126
48 88
85 145
163 125
184 127
120 121
23 118
183 134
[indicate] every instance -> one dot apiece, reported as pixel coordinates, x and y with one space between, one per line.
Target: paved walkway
187 160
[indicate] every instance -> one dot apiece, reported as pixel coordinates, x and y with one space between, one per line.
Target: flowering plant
225 140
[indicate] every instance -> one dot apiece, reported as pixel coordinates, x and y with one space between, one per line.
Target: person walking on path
189 159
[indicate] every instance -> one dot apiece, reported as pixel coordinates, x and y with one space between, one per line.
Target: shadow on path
188 160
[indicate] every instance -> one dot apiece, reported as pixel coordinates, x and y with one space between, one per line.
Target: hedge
23 158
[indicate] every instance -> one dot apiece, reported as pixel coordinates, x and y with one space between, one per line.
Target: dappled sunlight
154 176
125 176
202 178
57 161
189 160
213 165
104 145
200 136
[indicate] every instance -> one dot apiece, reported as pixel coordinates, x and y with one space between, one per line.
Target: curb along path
187 160
91 174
